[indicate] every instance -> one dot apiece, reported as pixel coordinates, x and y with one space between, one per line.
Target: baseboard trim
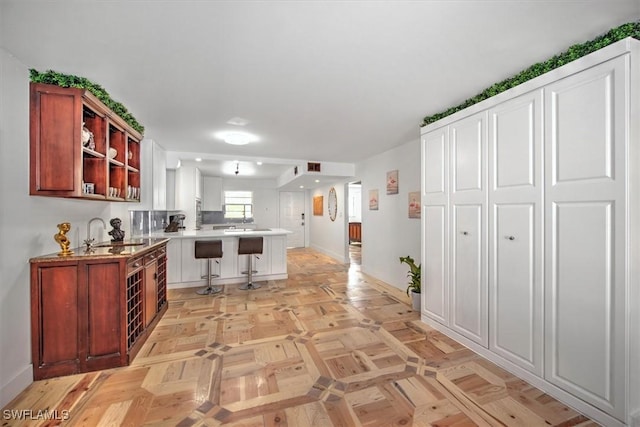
16 386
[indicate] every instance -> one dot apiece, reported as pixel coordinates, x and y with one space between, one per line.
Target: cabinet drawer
134 264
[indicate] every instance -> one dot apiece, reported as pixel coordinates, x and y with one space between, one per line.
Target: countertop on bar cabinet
128 248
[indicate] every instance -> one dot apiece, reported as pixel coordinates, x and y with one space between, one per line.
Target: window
238 204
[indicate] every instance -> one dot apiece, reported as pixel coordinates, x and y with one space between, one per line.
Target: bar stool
209 250
250 246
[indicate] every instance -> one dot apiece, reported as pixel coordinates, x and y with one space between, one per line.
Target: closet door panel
468 205
435 225
586 235
515 231
515 286
435 275
467 271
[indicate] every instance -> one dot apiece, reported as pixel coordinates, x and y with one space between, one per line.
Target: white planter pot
415 301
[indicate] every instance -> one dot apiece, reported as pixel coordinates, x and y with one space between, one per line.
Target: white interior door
292 217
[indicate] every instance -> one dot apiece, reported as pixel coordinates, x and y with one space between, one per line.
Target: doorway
354 237
292 217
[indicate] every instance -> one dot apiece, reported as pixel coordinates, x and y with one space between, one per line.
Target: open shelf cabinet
79 148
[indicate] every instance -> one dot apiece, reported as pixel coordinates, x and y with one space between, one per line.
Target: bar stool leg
210 289
250 271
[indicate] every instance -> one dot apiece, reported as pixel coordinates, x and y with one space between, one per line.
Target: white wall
27 226
326 236
388 233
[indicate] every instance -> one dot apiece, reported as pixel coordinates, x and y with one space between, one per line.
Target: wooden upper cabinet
62 164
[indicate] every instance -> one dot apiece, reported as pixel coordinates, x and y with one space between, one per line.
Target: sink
117 245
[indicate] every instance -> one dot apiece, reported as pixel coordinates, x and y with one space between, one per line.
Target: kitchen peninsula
184 270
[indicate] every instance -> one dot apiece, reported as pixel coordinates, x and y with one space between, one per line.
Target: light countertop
237 232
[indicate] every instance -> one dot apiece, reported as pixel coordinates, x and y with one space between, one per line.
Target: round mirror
333 204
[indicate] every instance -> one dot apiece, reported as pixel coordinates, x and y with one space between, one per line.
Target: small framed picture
373 200
414 204
392 182
317 205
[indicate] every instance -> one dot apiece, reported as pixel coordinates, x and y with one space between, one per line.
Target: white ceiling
332 81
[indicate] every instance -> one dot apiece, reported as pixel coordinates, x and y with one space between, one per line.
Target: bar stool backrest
208 249
249 245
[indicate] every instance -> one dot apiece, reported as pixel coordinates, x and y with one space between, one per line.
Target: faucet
89 241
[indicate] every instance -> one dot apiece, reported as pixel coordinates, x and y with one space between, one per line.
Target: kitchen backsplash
145 222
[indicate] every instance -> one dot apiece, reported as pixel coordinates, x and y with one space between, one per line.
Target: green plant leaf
68 80
630 29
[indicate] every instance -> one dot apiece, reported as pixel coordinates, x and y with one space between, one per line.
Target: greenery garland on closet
631 29
67 80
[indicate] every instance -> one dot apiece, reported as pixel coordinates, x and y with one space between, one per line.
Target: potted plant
414 275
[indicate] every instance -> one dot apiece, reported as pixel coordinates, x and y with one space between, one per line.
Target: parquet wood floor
327 347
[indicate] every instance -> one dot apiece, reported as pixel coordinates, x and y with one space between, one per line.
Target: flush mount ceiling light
236 138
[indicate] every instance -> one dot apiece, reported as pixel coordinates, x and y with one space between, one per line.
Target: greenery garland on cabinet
67 80
631 29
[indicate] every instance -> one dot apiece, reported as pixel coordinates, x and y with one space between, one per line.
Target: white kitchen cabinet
468 210
198 184
154 176
278 254
554 229
171 189
261 262
212 193
515 231
586 234
174 261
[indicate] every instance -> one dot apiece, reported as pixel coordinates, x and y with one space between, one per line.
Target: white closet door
585 116
468 202
515 231
435 213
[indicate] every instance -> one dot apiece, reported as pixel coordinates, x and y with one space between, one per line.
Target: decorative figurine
62 239
116 234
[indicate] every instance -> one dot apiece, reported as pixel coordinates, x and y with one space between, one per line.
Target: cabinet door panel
586 235
466 154
104 292
435 275
435 162
56 136
515 132
469 291
515 231
278 254
515 285
59 328
582 296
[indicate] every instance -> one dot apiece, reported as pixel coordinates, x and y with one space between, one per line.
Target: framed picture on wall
317 205
373 200
414 204
392 182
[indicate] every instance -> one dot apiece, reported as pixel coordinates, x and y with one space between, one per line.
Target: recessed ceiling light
317 180
302 186
259 163
238 121
198 159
